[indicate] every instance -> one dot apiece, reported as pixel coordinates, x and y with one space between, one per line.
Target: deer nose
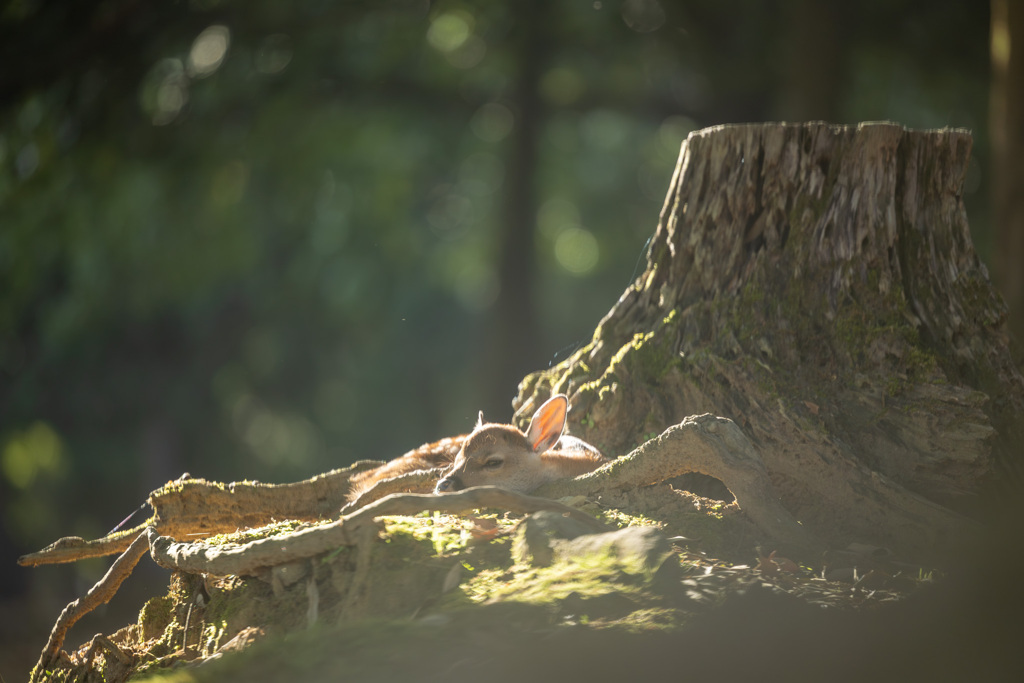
448 484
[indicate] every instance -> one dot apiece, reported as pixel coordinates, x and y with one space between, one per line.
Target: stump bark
816 284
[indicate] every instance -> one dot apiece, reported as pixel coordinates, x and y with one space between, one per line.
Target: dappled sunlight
999 46
473 281
275 438
492 122
274 54
451 34
469 54
208 51
643 16
164 91
32 454
555 215
481 174
576 250
449 31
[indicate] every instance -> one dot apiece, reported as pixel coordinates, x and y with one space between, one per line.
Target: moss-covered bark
817 285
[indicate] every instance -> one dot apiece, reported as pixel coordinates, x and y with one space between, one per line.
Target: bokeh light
208 51
576 250
32 454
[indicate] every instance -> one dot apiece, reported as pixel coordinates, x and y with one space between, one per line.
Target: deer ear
547 423
480 420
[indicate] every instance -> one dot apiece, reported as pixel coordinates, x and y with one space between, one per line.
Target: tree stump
816 284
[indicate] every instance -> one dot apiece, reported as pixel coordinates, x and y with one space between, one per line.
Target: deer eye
493 463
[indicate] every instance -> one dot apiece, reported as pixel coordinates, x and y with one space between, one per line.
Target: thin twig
74 548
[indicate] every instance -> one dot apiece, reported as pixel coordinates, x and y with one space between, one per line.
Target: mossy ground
494 596
426 569
439 590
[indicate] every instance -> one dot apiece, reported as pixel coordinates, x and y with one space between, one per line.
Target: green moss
592 575
622 519
155 616
240 538
649 619
742 321
212 635
445 534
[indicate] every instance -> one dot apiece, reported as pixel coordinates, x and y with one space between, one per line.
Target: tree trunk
1006 112
813 45
511 339
817 285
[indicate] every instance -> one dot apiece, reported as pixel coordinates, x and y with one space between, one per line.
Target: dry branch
196 507
99 594
74 548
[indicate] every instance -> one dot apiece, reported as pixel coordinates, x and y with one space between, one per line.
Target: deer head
502 455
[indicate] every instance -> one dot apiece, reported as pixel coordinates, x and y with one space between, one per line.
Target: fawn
498 455
502 455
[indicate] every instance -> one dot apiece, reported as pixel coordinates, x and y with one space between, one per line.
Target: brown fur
467 455
428 456
572 463
521 466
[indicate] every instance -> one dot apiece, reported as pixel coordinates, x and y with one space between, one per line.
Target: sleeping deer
498 455
502 455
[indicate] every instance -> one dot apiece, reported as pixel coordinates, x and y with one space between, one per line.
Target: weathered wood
419 481
99 594
816 284
706 444
190 509
254 556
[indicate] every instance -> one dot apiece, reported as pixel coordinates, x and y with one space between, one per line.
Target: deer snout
448 484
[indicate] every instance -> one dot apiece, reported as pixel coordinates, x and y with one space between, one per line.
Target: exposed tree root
421 481
252 558
193 508
706 444
99 594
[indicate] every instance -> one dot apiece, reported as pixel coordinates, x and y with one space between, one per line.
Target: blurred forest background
261 239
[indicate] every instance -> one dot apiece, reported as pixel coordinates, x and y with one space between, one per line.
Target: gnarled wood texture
816 284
